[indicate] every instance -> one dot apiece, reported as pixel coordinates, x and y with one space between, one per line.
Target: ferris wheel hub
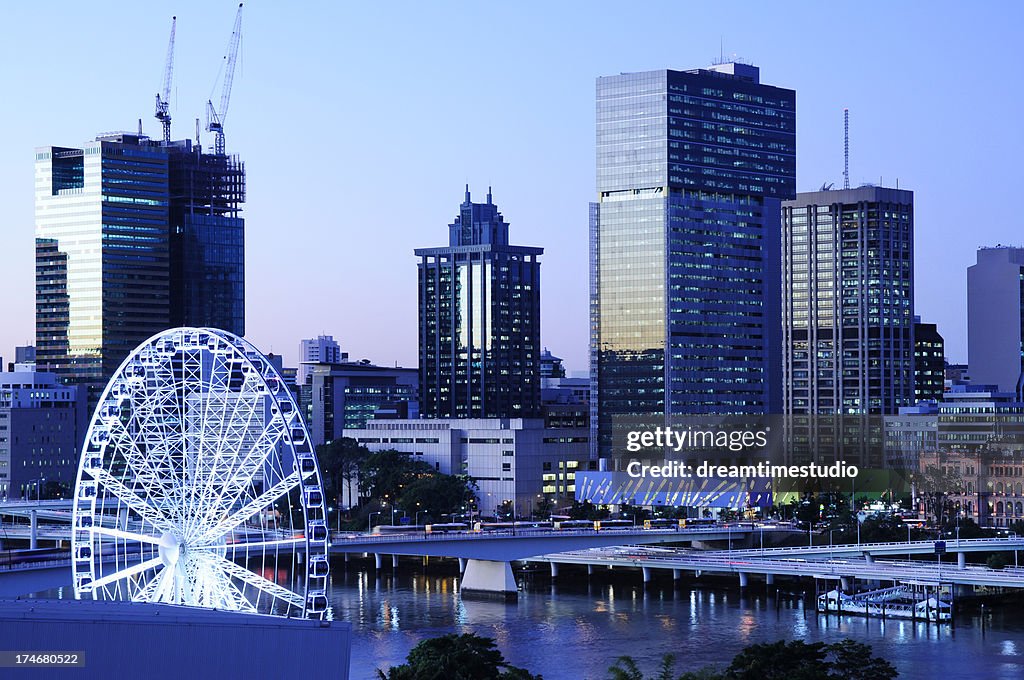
169 548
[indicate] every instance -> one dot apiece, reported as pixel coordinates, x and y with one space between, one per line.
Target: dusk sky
360 123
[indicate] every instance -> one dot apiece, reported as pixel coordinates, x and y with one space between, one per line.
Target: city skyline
538 129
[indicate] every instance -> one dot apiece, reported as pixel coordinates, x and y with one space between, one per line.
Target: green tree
855 661
587 510
339 462
384 475
780 660
438 495
794 660
456 657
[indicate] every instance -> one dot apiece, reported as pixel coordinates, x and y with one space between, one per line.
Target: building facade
132 236
929 362
516 460
479 320
685 273
346 396
323 349
995 317
848 302
42 423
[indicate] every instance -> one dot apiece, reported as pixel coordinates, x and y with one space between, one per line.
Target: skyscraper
995 317
479 320
848 301
133 236
685 264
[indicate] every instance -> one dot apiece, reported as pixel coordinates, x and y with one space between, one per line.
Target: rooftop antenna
846 148
163 102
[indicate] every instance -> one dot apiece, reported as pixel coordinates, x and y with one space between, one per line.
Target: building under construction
135 235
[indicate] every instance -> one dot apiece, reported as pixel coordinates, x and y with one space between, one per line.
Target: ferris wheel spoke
125 573
127 535
131 499
230 590
226 483
235 519
234 479
151 591
257 581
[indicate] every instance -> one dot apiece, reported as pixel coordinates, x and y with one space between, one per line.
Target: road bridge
843 570
486 557
870 550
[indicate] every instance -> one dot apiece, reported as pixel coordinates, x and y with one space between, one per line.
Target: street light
369 522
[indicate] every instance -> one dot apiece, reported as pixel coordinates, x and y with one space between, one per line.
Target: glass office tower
479 321
132 236
685 261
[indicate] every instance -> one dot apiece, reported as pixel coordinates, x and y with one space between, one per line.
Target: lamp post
369 522
418 517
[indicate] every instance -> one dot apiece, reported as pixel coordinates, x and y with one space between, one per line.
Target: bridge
871 550
745 563
486 557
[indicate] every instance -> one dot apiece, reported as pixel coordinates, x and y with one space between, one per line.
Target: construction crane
215 117
163 103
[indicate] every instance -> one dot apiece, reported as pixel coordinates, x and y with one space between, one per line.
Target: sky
360 124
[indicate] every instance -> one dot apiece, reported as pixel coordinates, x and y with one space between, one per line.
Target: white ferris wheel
198 484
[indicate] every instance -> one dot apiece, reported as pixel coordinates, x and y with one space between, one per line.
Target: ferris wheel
198 484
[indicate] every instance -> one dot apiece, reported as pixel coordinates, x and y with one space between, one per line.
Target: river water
575 628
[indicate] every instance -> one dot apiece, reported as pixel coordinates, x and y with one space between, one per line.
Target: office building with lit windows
929 362
479 320
133 236
684 236
848 301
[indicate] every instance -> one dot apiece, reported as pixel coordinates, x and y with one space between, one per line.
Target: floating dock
898 602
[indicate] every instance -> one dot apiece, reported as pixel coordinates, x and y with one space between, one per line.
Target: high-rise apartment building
848 301
479 320
133 236
685 265
995 317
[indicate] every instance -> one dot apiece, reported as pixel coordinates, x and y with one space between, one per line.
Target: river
575 628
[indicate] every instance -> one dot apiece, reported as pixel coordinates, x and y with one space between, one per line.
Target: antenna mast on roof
846 148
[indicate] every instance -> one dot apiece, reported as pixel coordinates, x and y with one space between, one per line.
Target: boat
899 602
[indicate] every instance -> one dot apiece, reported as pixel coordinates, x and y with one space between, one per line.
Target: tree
855 661
456 657
934 486
587 510
438 495
780 660
794 660
339 462
385 474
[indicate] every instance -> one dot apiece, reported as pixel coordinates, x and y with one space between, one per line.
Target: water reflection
578 627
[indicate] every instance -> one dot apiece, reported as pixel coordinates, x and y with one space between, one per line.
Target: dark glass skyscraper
132 236
479 321
685 261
